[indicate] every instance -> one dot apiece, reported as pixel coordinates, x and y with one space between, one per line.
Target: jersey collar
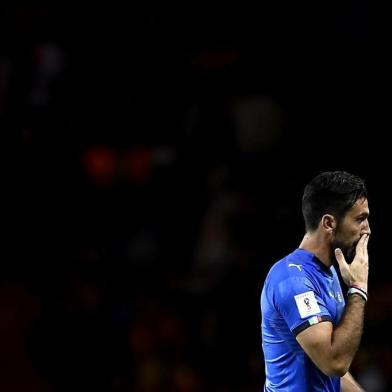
312 258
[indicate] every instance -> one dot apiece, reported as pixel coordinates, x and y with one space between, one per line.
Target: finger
366 244
366 240
361 245
362 239
340 258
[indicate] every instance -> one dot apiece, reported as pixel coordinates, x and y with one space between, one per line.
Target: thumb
340 258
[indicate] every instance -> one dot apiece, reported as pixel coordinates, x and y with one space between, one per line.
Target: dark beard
348 253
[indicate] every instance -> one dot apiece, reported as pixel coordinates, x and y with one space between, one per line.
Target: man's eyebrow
363 214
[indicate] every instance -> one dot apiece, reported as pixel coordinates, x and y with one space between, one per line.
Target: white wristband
353 290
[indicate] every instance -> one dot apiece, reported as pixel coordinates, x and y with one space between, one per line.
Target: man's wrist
360 285
357 292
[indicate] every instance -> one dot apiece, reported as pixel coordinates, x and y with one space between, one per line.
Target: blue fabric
298 292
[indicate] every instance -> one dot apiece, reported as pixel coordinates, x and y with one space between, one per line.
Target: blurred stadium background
153 158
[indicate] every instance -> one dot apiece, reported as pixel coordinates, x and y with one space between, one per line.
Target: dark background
153 158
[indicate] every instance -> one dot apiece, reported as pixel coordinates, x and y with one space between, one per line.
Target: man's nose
366 229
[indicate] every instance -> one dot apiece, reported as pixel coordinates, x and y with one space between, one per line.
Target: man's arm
348 384
332 350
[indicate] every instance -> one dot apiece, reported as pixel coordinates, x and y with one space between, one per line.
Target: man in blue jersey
309 333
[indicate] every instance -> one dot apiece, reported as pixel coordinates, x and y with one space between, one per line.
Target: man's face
351 227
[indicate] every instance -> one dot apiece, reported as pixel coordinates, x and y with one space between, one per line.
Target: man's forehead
360 206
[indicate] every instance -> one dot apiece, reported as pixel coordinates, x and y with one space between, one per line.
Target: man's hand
356 272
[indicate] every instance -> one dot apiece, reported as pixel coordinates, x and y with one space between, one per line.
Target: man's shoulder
290 265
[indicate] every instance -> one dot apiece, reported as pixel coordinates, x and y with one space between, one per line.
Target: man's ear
328 223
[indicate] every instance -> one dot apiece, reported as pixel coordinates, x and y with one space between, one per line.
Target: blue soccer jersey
299 291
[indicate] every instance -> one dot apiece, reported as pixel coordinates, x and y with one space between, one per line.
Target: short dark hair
330 193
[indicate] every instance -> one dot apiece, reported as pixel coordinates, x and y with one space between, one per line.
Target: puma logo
296 265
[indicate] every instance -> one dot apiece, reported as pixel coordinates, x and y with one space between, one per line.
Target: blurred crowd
152 169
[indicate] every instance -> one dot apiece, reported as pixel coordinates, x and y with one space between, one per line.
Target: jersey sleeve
299 303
